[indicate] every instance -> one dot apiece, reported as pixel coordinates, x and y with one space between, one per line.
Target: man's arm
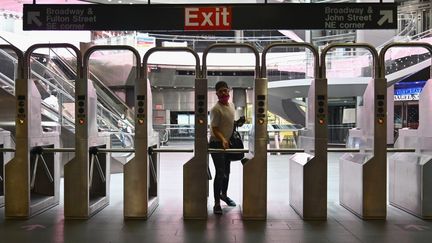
220 136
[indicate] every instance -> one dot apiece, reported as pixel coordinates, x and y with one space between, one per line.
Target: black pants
222 167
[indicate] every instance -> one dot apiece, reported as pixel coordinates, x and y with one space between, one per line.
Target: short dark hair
221 84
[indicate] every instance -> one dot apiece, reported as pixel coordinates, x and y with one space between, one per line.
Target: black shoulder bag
235 142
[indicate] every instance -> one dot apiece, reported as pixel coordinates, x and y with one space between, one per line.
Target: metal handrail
101 84
304 45
170 49
371 49
210 150
31 49
231 45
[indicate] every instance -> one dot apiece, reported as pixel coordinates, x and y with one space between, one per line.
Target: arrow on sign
386 15
32 17
32 227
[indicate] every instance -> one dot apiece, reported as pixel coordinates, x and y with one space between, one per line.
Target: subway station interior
104 134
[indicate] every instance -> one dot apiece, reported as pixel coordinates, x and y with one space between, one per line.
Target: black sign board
160 17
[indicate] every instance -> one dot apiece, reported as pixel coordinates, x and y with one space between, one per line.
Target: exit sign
208 18
160 17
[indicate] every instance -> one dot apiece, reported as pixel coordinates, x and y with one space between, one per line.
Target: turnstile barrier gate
410 174
308 170
362 184
195 181
87 175
254 195
142 173
32 178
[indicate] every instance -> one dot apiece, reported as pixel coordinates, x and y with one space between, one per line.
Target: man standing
222 125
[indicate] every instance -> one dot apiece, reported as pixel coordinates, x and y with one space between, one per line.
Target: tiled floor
167 225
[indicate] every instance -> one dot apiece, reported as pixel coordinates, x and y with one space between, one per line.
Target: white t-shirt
222 117
52 101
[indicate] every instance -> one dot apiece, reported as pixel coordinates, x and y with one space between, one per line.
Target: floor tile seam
343 226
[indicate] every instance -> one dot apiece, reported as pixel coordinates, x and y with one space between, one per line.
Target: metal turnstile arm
47 171
91 170
95 160
152 169
32 182
99 167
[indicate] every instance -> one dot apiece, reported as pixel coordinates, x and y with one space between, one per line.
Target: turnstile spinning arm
152 169
46 169
94 158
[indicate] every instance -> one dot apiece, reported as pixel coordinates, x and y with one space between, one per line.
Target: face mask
224 98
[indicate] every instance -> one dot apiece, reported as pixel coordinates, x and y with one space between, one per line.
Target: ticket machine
410 174
362 185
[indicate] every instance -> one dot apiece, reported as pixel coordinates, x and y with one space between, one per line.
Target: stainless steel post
308 170
254 197
82 197
362 184
23 198
410 174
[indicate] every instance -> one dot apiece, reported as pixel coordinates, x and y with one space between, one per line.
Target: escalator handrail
31 49
14 59
67 95
425 45
20 56
27 57
96 80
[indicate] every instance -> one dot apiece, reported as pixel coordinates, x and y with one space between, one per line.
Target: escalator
51 76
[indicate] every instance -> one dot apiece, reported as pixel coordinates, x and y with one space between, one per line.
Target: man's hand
225 144
240 121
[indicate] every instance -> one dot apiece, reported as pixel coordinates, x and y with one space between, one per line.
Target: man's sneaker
217 209
228 201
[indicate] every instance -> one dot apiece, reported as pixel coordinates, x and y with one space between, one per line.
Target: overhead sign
160 17
208 18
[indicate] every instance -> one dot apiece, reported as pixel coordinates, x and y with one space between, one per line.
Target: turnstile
308 170
254 186
5 157
410 174
195 178
32 178
362 184
141 174
87 175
